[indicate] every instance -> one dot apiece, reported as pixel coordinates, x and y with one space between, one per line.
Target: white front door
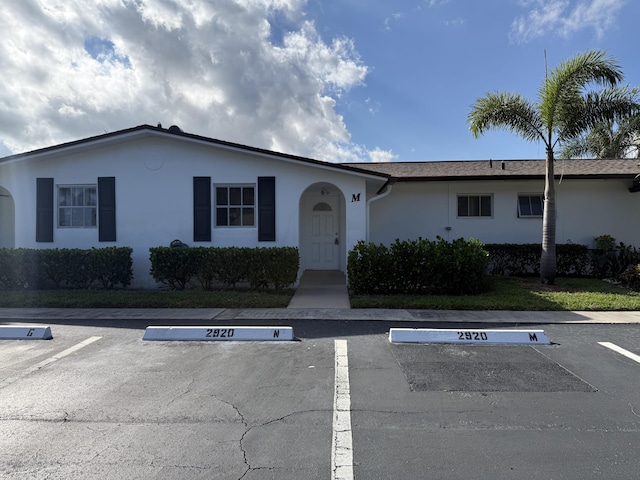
322 234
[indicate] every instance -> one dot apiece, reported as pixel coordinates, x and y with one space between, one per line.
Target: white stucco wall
585 209
154 195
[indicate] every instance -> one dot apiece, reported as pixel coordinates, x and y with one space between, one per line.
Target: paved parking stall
97 401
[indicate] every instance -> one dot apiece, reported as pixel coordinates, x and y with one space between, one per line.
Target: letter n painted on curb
276 334
533 337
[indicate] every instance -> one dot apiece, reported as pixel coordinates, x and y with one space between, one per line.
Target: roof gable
173 132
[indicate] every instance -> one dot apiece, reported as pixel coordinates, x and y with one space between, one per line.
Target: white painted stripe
342 443
48 361
467 336
218 333
25 332
621 351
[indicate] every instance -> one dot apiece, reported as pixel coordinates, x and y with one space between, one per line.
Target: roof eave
148 130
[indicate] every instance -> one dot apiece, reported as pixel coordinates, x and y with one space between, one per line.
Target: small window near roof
530 206
474 206
322 207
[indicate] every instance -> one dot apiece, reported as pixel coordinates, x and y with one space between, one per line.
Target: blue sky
338 80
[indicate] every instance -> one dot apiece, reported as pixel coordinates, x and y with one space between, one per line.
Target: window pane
247 217
536 205
485 206
247 196
474 206
325 207
64 197
235 217
222 196
64 217
463 206
235 197
77 216
90 196
89 217
524 206
78 196
221 217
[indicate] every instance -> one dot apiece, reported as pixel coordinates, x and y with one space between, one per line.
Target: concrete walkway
321 289
224 316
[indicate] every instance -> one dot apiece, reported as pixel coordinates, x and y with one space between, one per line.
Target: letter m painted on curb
355 197
533 337
276 334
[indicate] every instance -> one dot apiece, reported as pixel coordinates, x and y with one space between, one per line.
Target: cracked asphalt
121 408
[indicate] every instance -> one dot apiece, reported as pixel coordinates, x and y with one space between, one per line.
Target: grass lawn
193 298
517 294
503 294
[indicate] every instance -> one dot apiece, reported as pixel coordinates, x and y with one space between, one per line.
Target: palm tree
564 111
607 140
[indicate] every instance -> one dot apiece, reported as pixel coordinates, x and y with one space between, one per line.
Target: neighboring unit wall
585 209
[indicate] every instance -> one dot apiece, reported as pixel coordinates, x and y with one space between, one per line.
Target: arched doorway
322 228
7 219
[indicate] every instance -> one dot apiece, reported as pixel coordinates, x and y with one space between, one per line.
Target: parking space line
342 443
47 361
621 351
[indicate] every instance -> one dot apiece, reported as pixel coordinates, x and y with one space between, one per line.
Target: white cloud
436 3
387 21
564 18
379 156
455 22
211 67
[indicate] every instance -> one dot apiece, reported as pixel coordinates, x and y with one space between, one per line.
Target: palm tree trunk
548 256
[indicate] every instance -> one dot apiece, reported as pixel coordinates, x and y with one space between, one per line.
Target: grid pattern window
77 206
235 206
474 205
530 205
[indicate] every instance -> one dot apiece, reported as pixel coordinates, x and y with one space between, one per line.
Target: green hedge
65 267
418 266
524 259
177 267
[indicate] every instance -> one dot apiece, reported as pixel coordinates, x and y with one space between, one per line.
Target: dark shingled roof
499 169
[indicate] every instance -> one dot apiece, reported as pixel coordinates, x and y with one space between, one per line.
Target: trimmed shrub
631 277
65 267
173 266
113 266
418 266
524 259
261 268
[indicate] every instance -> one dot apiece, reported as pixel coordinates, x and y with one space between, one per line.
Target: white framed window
235 205
475 205
77 206
530 205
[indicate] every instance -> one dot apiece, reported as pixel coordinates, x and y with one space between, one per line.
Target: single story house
147 186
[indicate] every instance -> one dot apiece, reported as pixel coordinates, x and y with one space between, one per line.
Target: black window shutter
266 209
106 209
201 209
44 210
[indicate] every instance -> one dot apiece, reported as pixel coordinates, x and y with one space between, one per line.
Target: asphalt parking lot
97 401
